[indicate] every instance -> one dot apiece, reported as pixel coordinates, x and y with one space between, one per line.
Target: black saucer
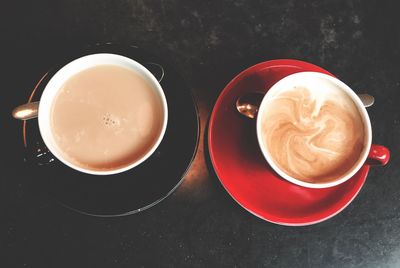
139 188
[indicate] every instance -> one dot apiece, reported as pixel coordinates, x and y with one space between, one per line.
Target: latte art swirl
313 135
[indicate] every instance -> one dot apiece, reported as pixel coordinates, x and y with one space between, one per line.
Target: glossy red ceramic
245 174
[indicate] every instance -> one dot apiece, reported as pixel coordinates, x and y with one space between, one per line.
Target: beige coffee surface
312 134
106 117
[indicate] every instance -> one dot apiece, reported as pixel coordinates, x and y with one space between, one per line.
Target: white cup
307 79
66 72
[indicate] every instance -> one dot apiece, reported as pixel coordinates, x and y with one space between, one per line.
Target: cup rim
362 110
77 65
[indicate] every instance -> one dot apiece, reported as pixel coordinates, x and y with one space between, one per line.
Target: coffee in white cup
102 114
313 130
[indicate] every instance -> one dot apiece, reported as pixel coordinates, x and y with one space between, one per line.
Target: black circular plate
139 188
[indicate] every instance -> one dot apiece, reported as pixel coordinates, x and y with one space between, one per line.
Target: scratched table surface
208 42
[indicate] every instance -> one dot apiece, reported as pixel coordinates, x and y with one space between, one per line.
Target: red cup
327 84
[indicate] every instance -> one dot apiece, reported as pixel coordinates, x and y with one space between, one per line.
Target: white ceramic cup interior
76 66
308 79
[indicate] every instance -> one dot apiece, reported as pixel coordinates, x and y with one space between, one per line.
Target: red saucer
242 169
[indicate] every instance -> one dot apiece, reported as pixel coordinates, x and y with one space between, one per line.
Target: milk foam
313 131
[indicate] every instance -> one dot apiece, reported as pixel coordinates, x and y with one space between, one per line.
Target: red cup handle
378 155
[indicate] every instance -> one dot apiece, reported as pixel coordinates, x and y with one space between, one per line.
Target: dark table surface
208 42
